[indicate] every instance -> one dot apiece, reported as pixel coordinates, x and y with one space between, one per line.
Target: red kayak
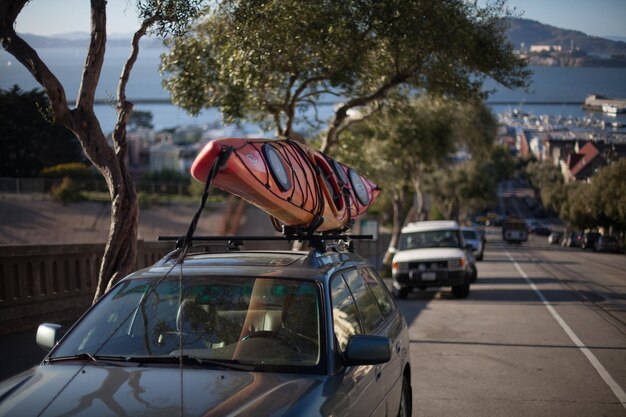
292 182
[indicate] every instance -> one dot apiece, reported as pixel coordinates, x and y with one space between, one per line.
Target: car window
380 292
264 322
345 314
429 239
365 301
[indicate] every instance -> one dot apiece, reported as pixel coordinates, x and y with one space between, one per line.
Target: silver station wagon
228 333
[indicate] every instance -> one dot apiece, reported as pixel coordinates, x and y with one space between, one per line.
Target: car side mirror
368 350
48 335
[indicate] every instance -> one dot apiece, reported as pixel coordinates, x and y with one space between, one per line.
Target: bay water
558 91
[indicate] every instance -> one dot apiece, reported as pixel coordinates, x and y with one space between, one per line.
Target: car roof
306 265
430 225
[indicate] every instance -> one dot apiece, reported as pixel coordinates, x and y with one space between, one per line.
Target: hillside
526 31
531 32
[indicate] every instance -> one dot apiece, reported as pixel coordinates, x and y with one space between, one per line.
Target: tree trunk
419 195
399 215
121 248
119 254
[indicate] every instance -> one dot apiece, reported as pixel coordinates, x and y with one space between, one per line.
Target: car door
373 322
390 379
358 383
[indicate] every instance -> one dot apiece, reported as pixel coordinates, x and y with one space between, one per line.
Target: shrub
68 170
166 175
146 200
66 192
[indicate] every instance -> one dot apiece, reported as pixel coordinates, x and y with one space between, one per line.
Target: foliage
29 141
601 202
547 178
66 192
272 61
166 175
608 195
140 119
146 200
576 209
74 170
459 190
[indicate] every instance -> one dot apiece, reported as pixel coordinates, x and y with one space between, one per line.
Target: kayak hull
290 181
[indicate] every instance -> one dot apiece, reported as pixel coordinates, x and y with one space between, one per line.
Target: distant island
545 45
541 44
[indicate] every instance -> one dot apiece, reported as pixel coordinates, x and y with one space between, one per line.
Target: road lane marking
608 379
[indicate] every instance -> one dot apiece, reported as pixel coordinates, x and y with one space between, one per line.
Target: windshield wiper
83 356
212 362
192 360
99 359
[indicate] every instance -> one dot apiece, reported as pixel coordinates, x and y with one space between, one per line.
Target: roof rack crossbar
316 240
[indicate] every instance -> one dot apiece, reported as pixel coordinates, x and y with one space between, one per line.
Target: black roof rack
316 241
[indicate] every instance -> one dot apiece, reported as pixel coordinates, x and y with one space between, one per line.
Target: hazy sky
594 17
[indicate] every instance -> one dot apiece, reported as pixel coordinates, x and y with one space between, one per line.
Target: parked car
472 236
433 254
588 240
572 240
607 244
537 228
245 333
555 238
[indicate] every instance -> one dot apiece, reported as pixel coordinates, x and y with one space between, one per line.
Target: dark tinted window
365 301
382 296
345 315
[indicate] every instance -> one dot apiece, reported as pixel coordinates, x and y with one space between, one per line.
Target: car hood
76 390
427 254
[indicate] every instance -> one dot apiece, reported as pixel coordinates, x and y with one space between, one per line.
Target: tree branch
342 112
28 57
124 107
95 56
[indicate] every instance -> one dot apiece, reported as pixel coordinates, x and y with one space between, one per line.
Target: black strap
219 162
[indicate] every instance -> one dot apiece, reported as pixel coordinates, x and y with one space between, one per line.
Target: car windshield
429 239
263 322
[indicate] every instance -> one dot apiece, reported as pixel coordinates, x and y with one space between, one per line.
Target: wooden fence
56 283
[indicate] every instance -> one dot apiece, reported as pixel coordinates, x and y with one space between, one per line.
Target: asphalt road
542 333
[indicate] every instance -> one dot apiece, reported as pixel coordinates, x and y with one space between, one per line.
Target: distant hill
528 32
81 40
531 32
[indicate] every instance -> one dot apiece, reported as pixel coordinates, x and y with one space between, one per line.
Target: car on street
588 240
572 240
537 227
228 333
473 237
555 238
433 254
607 244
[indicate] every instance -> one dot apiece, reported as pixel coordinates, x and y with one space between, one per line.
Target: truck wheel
400 293
461 291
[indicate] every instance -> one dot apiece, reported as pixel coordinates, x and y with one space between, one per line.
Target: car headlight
399 267
456 263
